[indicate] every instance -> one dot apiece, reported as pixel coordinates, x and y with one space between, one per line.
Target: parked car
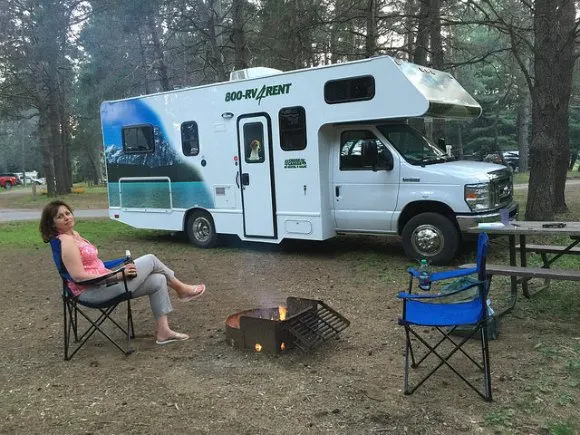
38 181
7 181
496 158
512 158
13 174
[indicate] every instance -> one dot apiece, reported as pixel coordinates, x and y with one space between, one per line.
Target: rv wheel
201 229
430 236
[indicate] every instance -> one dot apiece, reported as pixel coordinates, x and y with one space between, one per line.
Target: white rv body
264 158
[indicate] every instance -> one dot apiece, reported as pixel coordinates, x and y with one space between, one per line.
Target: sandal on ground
173 338
198 290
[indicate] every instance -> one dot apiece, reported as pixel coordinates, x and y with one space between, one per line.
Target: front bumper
471 220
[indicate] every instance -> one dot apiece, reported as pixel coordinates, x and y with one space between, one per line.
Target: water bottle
129 259
424 276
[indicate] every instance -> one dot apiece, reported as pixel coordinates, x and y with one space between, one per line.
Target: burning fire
282 346
258 347
282 312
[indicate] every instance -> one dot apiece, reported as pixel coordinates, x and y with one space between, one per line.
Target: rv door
256 178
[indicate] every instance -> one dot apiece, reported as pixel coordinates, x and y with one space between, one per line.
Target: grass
100 231
88 197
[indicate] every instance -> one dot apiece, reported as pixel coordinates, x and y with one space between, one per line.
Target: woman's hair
46 227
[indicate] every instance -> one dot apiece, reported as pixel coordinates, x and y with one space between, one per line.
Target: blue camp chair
72 307
446 312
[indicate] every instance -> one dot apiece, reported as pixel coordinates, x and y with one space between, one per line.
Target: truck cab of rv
388 178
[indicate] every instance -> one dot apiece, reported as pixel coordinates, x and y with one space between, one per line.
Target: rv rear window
292 122
351 89
189 138
138 139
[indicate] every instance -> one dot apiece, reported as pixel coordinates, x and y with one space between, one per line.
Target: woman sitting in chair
147 276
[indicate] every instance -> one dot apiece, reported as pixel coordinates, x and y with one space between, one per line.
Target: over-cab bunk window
292 121
189 138
348 90
138 139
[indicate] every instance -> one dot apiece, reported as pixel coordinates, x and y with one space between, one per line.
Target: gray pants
151 279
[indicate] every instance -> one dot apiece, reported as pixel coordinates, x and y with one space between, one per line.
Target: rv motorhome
304 154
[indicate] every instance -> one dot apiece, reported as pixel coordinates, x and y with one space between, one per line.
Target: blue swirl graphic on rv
167 159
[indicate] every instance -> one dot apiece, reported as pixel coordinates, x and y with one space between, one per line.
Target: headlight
478 196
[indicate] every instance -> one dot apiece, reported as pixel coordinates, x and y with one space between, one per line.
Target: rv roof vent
252 73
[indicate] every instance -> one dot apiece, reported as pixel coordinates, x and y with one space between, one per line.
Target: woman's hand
131 270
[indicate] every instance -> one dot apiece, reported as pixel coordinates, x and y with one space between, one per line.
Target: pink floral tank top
91 262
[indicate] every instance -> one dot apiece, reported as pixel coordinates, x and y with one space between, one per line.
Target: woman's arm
71 258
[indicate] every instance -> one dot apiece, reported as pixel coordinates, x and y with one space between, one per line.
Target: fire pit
302 323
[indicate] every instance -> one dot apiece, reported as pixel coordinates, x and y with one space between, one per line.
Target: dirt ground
351 385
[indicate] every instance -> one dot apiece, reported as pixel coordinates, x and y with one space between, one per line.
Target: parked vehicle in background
13 174
38 181
512 159
7 181
496 158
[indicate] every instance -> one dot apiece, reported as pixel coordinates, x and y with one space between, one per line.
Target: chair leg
486 367
444 360
66 336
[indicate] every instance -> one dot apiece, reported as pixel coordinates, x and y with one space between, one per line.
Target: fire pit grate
307 323
316 326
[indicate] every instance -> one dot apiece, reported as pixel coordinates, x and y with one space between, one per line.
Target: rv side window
138 139
351 146
351 89
189 138
292 122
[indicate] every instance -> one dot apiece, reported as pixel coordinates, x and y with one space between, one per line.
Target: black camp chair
464 309
72 307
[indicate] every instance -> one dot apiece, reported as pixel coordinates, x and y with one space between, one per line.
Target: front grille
502 187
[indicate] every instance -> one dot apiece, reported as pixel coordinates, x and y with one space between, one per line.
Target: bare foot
194 292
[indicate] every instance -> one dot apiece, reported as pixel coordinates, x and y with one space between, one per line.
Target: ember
302 323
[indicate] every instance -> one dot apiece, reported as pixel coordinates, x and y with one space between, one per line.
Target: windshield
414 148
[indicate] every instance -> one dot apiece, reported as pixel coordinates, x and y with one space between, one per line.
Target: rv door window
292 121
189 138
254 142
351 89
138 139
351 145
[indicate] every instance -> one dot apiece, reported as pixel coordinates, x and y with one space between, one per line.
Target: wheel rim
202 229
427 240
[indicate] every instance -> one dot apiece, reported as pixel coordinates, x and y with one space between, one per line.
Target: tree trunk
422 40
436 50
238 36
524 119
371 36
549 151
159 61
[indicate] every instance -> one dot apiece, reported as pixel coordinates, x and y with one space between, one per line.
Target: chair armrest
114 263
97 280
448 274
405 295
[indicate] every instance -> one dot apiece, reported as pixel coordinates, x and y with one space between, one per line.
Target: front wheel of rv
430 236
201 229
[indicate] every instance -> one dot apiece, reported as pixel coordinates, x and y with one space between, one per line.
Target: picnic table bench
520 275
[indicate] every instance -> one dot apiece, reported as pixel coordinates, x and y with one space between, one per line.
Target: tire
201 230
430 236
8 185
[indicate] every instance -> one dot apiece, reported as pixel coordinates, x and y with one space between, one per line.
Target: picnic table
522 273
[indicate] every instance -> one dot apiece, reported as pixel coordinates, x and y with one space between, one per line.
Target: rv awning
446 97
